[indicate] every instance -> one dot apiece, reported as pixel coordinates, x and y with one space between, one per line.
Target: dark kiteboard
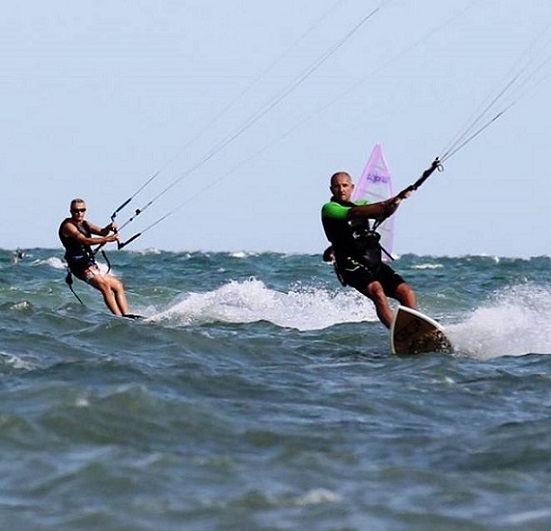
413 332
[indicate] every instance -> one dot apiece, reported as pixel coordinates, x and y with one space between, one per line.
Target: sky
238 112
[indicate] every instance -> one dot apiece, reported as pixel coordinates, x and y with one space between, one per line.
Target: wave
427 266
54 262
148 251
513 322
12 361
250 301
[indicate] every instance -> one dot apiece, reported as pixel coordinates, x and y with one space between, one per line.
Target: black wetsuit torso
79 257
352 238
358 253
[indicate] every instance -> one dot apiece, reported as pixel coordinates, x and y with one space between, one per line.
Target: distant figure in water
18 255
355 248
75 234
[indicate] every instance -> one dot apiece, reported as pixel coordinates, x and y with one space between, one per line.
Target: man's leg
120 296
405 295
106 287
376 293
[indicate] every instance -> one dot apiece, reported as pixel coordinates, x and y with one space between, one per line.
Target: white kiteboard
413 332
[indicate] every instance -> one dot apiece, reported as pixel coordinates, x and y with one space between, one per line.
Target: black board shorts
84 268
360 277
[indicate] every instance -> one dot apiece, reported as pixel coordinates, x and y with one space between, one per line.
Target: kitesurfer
18 255
76 235
355 248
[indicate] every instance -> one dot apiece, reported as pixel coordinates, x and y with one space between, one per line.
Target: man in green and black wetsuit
355 248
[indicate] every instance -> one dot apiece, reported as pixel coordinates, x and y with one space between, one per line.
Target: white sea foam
514 322
21 306
148 251
53 261
251 301
15 361
318 496
427 266
242 254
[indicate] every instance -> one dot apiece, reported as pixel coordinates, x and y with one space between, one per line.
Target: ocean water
260 394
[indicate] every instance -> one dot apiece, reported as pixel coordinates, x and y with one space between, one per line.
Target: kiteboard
413 332
134 316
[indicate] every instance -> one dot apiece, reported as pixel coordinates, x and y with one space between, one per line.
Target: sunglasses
78 210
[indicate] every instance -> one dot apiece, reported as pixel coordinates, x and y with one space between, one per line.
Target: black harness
356 243
79 257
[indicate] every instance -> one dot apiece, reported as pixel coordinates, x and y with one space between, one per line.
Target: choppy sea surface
260 394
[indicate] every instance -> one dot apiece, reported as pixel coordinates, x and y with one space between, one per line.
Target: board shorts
359 277
84 269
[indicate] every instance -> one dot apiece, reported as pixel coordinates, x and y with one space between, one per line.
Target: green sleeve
336 211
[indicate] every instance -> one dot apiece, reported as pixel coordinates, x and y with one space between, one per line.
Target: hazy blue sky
97 96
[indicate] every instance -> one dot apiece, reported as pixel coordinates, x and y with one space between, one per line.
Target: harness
356 243
77 255
75 251
367 254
